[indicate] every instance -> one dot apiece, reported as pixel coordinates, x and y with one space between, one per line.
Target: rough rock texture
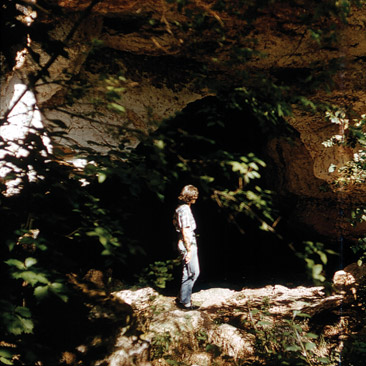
349 280
221 331
230 327
143 39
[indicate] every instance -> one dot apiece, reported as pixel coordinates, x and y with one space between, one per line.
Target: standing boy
185 225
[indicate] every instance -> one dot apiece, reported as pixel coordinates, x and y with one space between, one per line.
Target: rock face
226 329
350 280
266 325
146 41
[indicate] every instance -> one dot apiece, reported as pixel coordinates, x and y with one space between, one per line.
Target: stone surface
302 166
220 330
348 280
143 39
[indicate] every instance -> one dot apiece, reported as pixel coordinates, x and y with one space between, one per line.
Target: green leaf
279 110
324 360
332 168
31 277
15 263
41 292
119 108
323 257
317 269
297 327
57 286
300 314
293 348
23 311
6 357
171 362
263 322
101 177
59 290
63 297
18 325
11 245
207 178
27 325
29 262
103 240
6 361
309 346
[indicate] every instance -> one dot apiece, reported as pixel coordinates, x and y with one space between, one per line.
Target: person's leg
190 274
185 288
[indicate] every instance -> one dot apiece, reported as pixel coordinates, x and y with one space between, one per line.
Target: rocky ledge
246 327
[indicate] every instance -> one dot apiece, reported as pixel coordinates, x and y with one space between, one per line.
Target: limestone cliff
151 43
268 325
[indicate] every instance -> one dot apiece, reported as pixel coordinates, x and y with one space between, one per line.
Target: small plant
358 216
160 345
158 273
359 248
313 253
201 337
286 342
350 135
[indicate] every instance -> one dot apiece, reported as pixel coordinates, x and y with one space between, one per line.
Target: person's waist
193 243
192 239
193 236
190 230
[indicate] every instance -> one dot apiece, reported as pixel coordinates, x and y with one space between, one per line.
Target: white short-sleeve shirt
183 218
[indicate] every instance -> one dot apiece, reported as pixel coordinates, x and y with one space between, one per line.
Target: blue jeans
191 272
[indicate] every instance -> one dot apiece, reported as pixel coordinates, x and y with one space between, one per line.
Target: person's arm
187 242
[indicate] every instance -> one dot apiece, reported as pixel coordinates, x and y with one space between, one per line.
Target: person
185 226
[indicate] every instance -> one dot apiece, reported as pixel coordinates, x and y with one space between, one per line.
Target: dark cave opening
227 256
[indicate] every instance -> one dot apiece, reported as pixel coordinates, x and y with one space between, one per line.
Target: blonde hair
188 194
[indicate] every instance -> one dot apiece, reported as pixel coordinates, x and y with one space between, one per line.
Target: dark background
227 256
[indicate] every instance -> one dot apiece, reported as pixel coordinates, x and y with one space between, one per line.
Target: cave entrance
242 257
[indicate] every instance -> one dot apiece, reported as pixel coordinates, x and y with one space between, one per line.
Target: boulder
223 329
348 281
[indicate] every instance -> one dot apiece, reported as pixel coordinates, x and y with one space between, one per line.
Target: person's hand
188 257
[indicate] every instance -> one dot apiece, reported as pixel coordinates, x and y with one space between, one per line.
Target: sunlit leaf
309 346
117 107
23 311
41 292
293 348
15 263
101 177
6 356
29 262
31 277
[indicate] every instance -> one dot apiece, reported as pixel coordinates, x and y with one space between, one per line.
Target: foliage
352 134
311 253
354 350
358 216
157 274
225 168
286 341
160 345
360 250
64 219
